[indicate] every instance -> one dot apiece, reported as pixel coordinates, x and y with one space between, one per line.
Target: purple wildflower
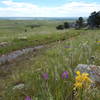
67 47
45 76
28 98
64 75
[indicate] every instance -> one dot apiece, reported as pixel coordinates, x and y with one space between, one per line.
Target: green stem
81 95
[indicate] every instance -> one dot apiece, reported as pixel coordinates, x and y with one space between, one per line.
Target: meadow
47 74
15 32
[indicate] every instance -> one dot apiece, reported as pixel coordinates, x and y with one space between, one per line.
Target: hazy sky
48 8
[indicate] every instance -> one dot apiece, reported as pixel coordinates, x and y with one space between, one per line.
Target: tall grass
13 33
61 57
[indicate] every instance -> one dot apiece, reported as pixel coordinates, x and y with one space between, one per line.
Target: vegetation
48 74
60 27
19 36
94 19
80 23
66 25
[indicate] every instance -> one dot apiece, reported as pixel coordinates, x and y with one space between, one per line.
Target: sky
48 8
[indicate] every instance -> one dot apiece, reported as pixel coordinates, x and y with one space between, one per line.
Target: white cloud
22 9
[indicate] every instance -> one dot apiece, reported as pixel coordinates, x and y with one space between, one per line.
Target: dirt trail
8 61
11 57
7 58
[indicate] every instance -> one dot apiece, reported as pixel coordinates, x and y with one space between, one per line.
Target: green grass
14 31
54 59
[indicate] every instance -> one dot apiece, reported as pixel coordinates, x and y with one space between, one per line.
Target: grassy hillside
13 32
57 57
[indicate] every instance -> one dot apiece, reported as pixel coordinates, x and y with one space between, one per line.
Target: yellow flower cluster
98 41
82 80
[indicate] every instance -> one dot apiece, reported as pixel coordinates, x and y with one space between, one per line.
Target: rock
23 38
7 58
1 98
2 44
19 86
3 60
93 70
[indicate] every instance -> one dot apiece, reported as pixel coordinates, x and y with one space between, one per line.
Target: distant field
15 32
10 29
39 18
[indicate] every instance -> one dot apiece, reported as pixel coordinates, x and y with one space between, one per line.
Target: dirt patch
7 58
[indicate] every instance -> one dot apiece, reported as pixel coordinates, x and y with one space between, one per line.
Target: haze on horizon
48 8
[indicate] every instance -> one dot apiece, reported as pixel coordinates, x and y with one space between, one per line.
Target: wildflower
78 78
19 86
98 41
78 84
85 77
78 72
65 75
82 80
45 76
28 98
67 47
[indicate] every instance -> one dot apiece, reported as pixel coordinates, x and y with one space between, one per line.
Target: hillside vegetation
39 75
21 34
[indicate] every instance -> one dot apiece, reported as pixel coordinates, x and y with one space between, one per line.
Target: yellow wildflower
85 74
98 41
78 84
78 78
81 79
78 73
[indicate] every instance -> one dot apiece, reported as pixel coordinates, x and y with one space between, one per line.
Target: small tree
66 25
60 27
80 22
25 30
94 19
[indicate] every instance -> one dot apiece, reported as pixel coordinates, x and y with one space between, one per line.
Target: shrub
94 19
79 23
33 26
25 30
66 25
60 27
